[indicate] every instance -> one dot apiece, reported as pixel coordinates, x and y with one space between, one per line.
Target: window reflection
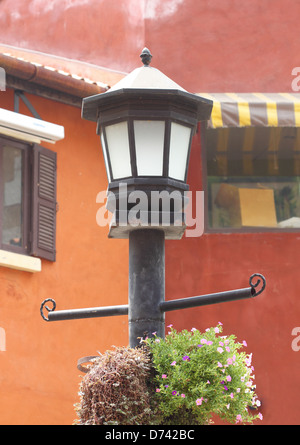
12 195
253 177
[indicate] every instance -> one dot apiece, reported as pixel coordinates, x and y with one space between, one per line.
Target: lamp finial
146 57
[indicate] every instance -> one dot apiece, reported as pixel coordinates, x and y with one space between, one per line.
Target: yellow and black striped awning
254 109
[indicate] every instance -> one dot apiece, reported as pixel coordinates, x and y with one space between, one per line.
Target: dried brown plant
115 391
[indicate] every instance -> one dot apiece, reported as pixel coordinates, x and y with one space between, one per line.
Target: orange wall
39 379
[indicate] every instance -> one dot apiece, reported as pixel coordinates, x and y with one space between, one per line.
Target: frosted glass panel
104 149
179 146
118 149
149 143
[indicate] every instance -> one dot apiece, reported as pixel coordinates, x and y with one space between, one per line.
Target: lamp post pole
146 284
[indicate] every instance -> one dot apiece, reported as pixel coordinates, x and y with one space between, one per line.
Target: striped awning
254 109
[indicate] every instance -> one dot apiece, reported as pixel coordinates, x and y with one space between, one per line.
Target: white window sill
20 262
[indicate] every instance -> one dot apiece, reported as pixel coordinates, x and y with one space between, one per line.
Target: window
27 198
253 178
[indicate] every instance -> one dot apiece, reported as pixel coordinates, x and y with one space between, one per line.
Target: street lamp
146 123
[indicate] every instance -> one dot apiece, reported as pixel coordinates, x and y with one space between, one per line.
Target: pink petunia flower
199 401
238 418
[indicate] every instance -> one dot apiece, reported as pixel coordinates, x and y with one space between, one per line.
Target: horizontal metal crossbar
205 300
171 305
74 314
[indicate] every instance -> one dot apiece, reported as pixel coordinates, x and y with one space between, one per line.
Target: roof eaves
48 76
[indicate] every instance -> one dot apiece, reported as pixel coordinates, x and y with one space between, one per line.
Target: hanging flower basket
181 380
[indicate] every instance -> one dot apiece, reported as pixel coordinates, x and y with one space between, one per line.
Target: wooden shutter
43 226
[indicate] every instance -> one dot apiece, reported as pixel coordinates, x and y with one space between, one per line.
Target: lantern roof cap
146 77
144 82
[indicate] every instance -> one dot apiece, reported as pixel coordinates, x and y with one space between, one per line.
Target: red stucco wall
219 262
212 45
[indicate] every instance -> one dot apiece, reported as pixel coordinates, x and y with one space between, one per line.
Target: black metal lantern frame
133 105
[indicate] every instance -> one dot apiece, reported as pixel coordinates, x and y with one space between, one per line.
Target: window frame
26 195
39 205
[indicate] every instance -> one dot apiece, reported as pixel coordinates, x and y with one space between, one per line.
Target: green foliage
198 374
